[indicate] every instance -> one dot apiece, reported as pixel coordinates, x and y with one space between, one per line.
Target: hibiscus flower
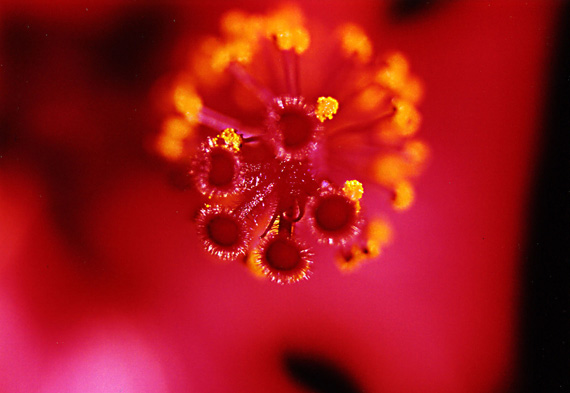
105 285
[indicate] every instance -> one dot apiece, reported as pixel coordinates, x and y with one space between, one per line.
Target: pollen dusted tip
283 259
223 234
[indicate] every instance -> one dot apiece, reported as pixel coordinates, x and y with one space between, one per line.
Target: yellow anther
353 260
403 195
379 234
296 38
176 128
170 142
416 151
413 90
370 98
241 25
353 189
169 148
394 74
406 119
286 28
187 102
231 138
355 42
390 169
326 108
236 51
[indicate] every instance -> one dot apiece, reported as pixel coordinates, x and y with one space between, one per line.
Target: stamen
187 102
403 195
394 74
406 120
326 108
353 190
416 151
238 24
286 28
231 139
239 52
270 175
246 79
355 43
217 121
170 142
291 70
376 236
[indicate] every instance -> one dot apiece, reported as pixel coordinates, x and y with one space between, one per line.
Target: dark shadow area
401 10
318 375
544 363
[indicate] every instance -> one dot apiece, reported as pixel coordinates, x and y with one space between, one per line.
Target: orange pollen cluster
291 161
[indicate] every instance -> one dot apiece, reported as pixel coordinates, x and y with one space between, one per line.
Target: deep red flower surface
104 285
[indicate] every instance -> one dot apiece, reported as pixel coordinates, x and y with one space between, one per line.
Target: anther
355 43
326 108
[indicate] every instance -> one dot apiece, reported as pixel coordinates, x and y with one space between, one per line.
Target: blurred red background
104 286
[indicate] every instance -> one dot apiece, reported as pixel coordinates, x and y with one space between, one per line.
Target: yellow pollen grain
326 108
187 102
231 138
403 195
355 42
353 189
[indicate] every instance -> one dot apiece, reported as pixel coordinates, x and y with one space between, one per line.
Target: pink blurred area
104 286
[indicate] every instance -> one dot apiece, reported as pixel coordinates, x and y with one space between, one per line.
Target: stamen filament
291 70
217 121
247 80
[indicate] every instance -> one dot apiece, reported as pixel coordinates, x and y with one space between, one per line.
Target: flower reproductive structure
275 163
